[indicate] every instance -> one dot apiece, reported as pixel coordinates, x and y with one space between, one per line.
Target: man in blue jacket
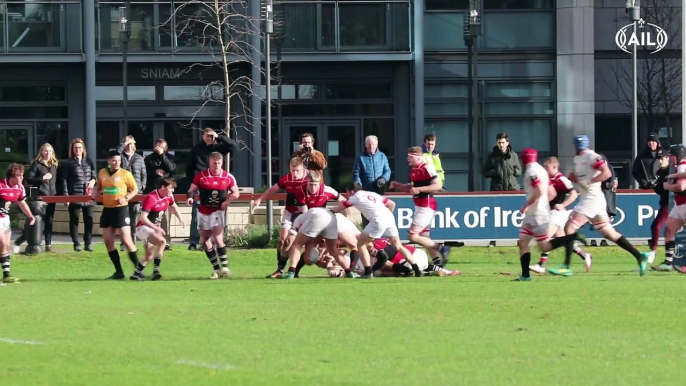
371 170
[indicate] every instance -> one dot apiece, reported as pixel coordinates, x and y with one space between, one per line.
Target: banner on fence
497 217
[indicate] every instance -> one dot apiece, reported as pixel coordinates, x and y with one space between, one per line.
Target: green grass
609 327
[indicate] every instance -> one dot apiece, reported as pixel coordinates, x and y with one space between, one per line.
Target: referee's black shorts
117 217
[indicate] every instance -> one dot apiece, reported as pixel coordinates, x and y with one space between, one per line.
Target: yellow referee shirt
115 186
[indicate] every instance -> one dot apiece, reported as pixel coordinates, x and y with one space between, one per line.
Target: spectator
199 161
645 166
313 159
371 170
42 175
431 157
134 164
502 165
159 164
79 180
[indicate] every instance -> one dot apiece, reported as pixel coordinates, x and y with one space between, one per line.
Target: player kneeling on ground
213 185
379 211
316 222
537 214
148 229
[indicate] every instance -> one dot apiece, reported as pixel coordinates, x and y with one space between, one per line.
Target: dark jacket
503 169
34 178
369 168
76 177
659 187
135 165
200 154
156 161
643 168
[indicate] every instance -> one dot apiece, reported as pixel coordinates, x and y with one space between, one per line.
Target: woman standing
79 180
42 175
11 190
135 164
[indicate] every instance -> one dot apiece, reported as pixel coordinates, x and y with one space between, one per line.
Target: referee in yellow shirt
117 186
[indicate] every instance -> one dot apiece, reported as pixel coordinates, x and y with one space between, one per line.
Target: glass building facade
347 68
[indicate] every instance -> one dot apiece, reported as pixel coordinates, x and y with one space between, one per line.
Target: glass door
15 143
341 148
179 137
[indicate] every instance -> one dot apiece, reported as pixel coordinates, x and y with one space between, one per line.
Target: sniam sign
497 217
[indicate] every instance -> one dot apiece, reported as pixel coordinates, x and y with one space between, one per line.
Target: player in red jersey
424 182
148 228
11 190
677 216
291 183
315 194
213 184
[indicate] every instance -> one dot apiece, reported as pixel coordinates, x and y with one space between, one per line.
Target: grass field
65 325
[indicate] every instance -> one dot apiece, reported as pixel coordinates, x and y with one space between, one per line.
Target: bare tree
225 31
659 74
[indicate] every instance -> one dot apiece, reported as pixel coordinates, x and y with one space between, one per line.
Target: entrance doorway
340 141
15 145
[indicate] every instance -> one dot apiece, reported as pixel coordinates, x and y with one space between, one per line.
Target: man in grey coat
135 164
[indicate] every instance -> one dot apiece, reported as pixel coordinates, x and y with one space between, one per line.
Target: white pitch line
212 366
15 341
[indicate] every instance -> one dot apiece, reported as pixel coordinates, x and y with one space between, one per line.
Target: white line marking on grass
15 341
213 366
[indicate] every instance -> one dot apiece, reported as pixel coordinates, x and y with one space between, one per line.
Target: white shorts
5 226
678 212
592 207
423 217
379 227
345 225
208 221
559 218
143 232
535 227
286 220
320 221
421 259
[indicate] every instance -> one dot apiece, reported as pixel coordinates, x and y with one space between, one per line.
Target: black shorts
115 217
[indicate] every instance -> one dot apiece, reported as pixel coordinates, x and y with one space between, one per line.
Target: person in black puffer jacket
645 165
135 164
160 164
42 175
78 179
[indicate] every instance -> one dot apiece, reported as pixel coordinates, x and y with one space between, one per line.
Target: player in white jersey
590 170
378 210
347 237
317 221
537 214
677 216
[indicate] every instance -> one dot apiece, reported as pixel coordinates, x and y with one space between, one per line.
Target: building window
106 138
193 93
141 17
443 31
525 133
56 134
519 30
116 93
447 4
519 90
33 94
33 25
451 136
613 134
358 91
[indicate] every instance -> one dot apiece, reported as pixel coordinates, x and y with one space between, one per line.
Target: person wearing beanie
645 165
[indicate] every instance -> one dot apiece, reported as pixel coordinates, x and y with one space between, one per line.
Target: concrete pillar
575 77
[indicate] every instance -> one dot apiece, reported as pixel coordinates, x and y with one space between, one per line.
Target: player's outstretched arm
191 194
269 193
174 209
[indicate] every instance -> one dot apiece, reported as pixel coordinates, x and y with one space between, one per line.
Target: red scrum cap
529 156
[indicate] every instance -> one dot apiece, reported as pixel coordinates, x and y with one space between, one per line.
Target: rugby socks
579 252
525 260
354 257
223 259
544 258
138 271
670 248
281 261
381 259
627 246
5 262
301 264
401 268
212 257
133 256
157 261
417 271
432 268
114 257
368 271
562 241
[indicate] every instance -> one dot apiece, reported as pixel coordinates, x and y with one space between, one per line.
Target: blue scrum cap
581 142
